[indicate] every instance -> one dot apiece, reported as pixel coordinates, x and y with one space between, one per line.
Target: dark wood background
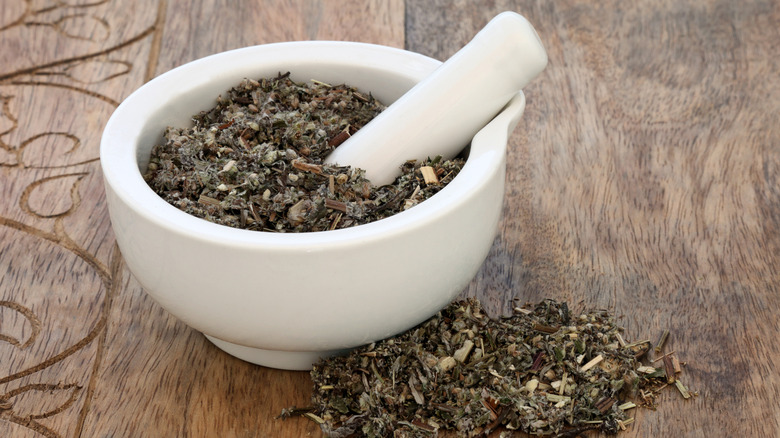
643 179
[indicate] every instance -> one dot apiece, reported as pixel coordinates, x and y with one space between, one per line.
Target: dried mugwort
542 371
255 161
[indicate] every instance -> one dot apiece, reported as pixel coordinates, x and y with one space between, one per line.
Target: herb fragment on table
255 161
661 341
465 372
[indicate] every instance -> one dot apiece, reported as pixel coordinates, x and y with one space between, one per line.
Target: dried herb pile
540 371
254 161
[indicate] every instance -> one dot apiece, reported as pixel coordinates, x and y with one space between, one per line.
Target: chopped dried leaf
465 372
255 161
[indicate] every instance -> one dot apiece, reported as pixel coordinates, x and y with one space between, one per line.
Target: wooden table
643 179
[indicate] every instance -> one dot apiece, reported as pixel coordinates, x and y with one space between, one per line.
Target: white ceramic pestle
442 113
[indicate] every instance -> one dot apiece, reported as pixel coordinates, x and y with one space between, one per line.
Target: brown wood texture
643 179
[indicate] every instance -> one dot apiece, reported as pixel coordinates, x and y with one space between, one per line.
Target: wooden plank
194 31
63 70
164 378
642 180
67 364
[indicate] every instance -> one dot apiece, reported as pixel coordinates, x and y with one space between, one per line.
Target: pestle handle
442 113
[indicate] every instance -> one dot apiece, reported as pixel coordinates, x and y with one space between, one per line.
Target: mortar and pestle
286 300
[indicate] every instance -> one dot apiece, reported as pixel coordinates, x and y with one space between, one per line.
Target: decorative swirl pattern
27 404
57 283
15 316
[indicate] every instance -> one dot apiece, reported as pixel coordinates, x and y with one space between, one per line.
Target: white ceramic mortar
285 300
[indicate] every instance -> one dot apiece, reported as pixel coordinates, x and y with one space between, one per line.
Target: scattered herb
659 346
542 371
255 161
683 390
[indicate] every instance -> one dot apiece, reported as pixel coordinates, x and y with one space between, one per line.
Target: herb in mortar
255 161
542 371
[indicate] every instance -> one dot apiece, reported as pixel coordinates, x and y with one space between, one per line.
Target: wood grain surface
643 178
